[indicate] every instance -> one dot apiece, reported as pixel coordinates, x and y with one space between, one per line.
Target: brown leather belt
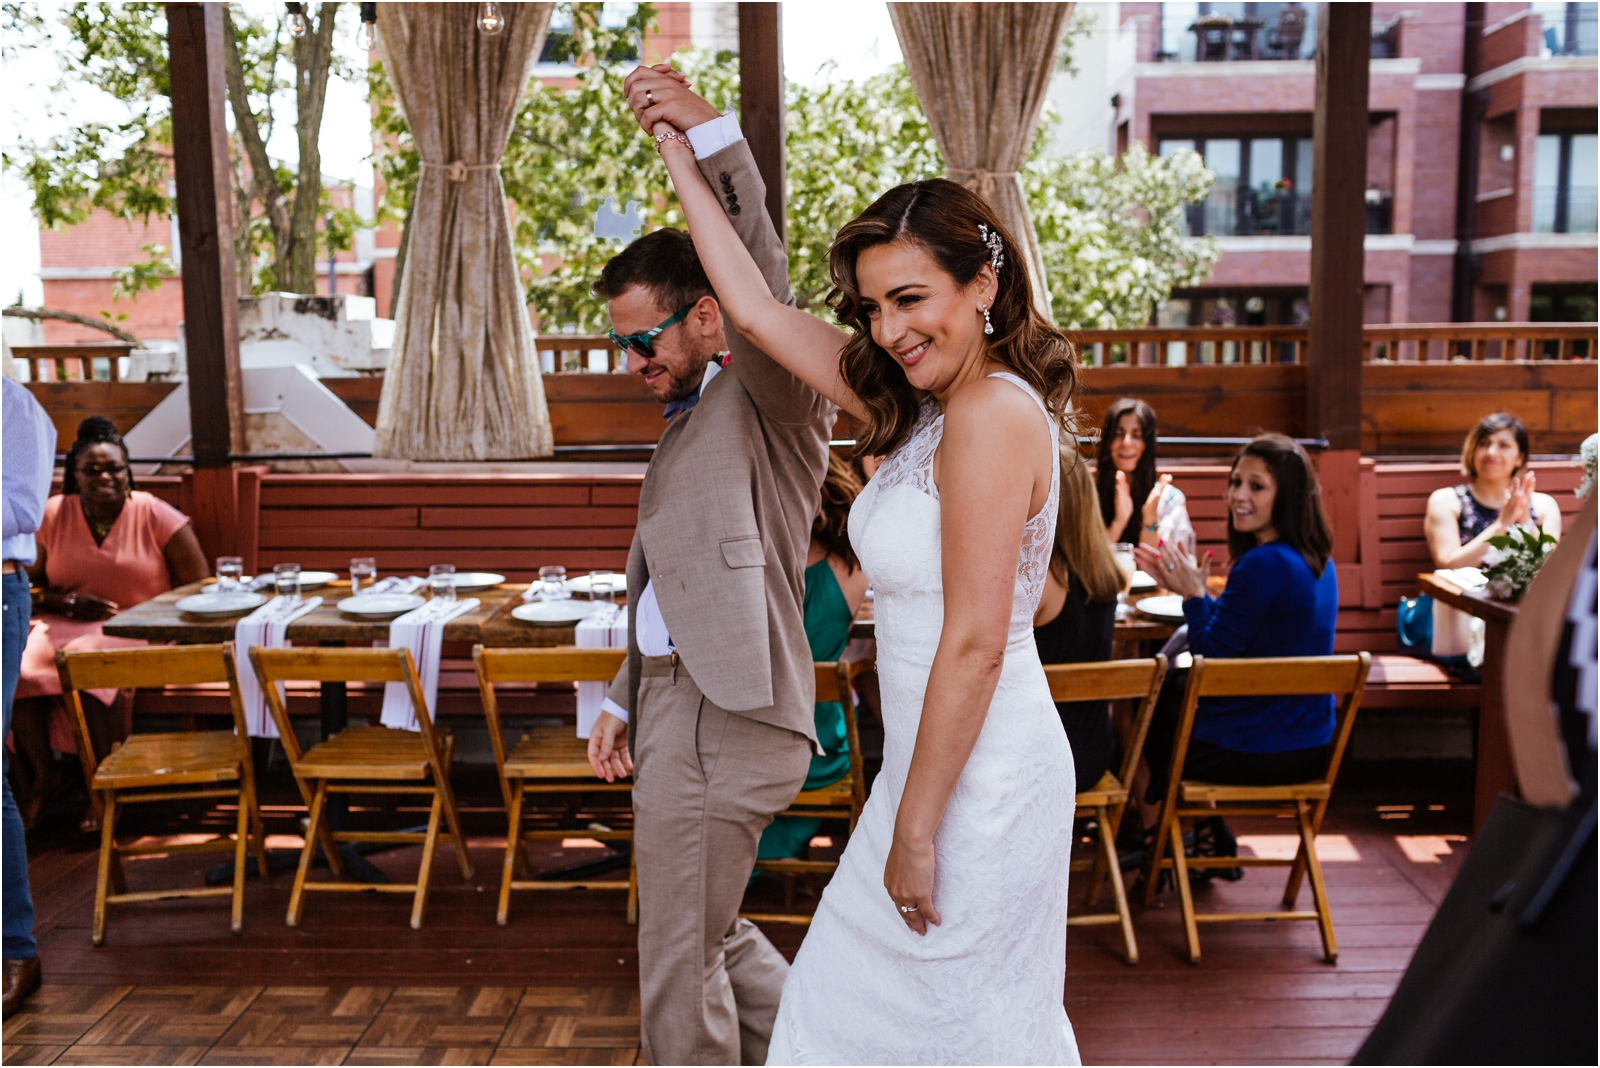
9 568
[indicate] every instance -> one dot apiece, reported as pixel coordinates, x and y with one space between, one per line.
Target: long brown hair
1297 514
1081 548
944 219
1143 479
839 491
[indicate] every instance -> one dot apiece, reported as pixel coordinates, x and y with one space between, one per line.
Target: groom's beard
683 387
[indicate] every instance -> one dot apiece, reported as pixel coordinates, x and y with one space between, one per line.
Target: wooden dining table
1495 773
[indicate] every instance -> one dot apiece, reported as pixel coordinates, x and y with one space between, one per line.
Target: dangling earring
988 327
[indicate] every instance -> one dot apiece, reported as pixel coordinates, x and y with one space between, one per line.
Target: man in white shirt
715 702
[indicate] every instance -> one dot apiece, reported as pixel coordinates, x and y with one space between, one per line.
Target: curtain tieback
456 171
980 181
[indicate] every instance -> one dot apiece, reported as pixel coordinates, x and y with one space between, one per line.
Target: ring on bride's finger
906 910
649 98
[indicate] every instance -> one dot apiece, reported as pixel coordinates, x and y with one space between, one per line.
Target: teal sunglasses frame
643 343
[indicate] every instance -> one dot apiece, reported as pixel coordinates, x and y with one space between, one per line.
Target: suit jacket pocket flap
744 552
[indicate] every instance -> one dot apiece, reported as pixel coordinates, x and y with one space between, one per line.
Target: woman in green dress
835 588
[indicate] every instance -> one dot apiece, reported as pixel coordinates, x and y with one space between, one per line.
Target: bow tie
683 405
713 366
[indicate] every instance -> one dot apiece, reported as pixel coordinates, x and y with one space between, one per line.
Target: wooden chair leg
314 834
513 851
1319 890
258 833
102 883
241 846
1153 866
633 890
1108 843
1097 871
1180 875
1291 890
431 843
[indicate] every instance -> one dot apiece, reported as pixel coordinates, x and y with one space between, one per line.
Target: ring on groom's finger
649 98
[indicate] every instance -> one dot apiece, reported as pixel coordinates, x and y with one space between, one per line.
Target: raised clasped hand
1152 503
908 877
1173 568
660 94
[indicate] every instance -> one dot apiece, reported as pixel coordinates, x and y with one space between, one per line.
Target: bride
942 937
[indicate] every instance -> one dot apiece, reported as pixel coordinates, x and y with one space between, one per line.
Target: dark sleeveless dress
1080 634
1476 517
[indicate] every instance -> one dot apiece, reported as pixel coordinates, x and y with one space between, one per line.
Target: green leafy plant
1514 559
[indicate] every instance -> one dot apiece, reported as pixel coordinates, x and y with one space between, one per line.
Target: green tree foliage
123 167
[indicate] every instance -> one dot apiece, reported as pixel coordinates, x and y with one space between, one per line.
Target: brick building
1491 105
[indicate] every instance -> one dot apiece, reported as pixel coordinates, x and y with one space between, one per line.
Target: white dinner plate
311 580
221 604
554 613
580 584
381 604
477 580
1168 607
1141 581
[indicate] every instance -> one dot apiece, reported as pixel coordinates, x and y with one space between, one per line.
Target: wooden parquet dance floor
355 985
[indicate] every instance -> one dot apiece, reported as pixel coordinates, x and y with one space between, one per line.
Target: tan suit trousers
706 783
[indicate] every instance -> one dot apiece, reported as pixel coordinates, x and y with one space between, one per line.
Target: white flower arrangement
1588 456
1513 560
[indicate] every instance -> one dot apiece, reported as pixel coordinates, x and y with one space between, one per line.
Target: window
1263 184
557 48
1237 31
1567 29
1564 183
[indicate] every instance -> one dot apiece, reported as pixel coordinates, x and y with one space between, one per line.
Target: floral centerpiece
1513 560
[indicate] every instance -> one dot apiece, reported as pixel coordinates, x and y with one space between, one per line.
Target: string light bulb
297 20
490 20
367 35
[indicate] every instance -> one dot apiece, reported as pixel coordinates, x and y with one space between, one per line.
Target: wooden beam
1338 230
761 98
205 231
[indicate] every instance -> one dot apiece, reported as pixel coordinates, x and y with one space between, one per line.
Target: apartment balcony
1566 210
1248 213
1236 32
1567 29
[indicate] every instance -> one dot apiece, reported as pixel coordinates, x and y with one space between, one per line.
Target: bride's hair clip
997 246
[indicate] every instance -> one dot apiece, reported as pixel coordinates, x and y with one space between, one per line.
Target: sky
811 39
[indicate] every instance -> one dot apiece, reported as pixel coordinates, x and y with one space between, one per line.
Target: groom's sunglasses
644 344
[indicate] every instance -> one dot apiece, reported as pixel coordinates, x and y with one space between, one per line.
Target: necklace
100 530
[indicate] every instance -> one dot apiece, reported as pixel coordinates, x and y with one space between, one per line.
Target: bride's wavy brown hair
943 219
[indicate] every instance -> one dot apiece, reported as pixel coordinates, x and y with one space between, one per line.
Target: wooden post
210 296
1338 230
761 98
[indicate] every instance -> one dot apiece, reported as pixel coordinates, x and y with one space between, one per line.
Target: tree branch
262 176
41 314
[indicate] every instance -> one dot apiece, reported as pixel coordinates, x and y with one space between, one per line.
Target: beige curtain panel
981 72
463 381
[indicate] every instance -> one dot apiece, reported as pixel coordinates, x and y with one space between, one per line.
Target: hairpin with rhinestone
997 247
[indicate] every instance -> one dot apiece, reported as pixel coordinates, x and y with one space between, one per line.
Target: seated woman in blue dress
1282 599
835 588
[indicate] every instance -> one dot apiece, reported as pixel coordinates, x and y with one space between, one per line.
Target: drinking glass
442 581
286 579
603 586
553 583
1122 553
363 572
230 569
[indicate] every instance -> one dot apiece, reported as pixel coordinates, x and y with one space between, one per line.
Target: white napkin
1466 578
605 628
422 631
267 627
397 584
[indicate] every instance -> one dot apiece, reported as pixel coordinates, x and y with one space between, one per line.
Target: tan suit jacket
726 509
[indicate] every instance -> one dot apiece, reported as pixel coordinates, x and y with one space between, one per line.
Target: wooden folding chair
842 800
165 767
363 760
548 760
1341 676
1107 799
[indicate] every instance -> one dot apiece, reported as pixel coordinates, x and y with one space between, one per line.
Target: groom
715 701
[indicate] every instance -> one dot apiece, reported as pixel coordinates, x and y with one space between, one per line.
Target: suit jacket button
733 198
727 179
734 210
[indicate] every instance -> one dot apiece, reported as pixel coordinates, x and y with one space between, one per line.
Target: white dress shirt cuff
713 136
608 705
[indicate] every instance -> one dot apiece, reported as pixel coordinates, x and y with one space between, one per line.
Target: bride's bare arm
985 499
805 345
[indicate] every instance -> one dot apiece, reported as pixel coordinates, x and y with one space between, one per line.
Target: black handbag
1506 973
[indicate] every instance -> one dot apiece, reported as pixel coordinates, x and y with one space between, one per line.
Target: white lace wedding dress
987 986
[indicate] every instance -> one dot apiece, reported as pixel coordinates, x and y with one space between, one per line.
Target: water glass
286 579
363 572
442 581
553 583
1122 553
603 586
230 569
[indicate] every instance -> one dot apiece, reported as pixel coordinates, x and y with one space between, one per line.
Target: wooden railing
578 353
1401 343
92 361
